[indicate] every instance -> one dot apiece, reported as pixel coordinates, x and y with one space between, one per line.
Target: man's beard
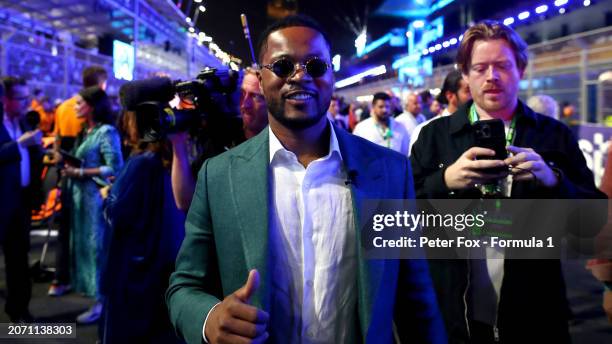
277 111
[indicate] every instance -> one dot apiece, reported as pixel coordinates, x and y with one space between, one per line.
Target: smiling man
511 301
272 242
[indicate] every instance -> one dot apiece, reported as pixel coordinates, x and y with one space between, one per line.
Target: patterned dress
100 147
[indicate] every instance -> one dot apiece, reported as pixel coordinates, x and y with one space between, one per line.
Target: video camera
208 95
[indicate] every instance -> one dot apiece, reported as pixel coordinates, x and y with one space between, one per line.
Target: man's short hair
94 76
487 30
9 83
452 83
289 21
380 96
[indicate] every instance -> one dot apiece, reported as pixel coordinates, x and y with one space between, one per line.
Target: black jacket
533 301
10 172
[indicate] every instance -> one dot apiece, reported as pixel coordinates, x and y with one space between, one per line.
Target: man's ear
258 73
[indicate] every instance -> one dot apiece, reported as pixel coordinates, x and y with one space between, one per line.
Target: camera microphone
247 35
147 90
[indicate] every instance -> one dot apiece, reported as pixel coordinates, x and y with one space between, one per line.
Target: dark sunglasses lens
316 68
282 68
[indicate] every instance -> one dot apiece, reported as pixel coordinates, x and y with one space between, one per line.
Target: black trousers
62 256
16 245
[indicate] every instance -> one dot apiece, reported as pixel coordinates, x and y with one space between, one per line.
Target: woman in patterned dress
99 147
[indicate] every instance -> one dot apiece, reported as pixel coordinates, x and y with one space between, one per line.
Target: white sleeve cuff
205 320
106 171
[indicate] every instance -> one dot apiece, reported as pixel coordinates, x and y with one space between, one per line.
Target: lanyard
511 130
385 133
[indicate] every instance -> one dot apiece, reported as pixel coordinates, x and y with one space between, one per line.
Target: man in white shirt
18 148
280 212
412 115
381 128
455 92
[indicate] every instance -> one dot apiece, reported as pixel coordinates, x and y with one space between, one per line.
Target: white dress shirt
312 242
410 121
398 140
14 131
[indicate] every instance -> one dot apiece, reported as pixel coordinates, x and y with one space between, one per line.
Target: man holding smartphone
499 299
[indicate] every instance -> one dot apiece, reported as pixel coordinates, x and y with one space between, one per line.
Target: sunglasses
283 68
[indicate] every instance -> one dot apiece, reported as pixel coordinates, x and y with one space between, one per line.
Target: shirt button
441 166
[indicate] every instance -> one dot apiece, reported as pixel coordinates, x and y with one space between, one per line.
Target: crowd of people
223 237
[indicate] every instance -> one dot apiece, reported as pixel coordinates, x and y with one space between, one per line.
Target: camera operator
146 230
206 122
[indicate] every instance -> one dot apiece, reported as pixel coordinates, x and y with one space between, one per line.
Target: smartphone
491 134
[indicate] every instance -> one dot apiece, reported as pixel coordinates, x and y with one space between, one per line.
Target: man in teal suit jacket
228 225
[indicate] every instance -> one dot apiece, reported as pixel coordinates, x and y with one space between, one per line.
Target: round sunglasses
283 68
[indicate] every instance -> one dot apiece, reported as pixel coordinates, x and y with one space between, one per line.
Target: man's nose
492 73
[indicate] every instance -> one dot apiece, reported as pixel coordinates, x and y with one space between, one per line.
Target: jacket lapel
367 184
249 191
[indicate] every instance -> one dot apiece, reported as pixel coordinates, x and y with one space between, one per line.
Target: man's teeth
300 96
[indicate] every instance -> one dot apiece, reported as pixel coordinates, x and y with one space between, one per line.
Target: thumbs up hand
234 320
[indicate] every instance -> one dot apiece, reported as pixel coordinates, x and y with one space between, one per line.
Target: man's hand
527 164
234 320
30 138
467 171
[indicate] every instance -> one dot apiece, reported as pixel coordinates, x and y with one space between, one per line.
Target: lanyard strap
385 133
511 130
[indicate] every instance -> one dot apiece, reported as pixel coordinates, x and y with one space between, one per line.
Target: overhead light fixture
418 24
191 29
202 8
509 21
523 15
188 20
356 78
541 9
197 1
453 41
336 62
586 3
560 3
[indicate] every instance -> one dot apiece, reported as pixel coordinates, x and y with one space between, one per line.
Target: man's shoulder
359 146
436 124
366 123
249 149
67 105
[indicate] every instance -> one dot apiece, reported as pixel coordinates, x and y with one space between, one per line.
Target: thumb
249 288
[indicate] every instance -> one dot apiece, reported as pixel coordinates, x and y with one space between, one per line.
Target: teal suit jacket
227 236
